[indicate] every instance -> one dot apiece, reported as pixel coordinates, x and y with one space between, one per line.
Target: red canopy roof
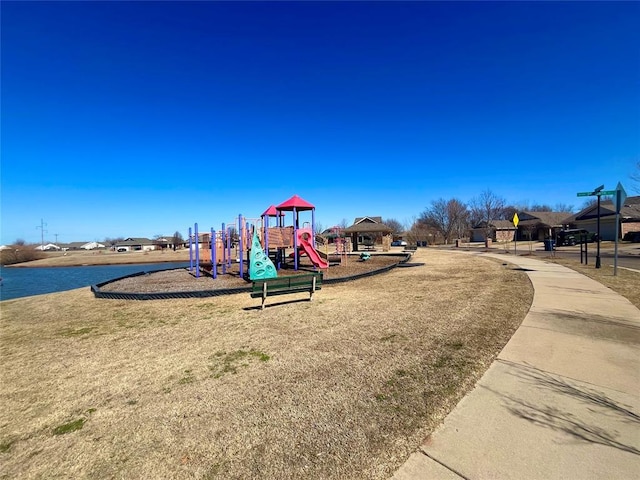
271 212
296 202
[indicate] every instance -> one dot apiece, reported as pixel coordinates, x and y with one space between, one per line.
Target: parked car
398 243
633 237
122 249
574 236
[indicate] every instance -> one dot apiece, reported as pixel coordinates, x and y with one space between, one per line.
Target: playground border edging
214 293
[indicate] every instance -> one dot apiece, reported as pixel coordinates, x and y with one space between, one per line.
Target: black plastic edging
214 293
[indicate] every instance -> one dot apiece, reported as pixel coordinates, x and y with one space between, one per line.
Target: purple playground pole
249 238
190 251
240 245
197 251
214 260
223 235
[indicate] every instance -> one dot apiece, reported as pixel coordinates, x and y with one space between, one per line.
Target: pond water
24 282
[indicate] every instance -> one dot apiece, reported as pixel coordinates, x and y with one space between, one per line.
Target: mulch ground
181 280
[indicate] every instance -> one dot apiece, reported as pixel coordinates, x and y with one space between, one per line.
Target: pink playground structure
273 241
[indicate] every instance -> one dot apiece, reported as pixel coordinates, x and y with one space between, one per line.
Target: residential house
498 231
91 246
135 244
587 218
48 246
541 225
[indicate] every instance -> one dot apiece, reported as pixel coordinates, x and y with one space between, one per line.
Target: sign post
515 221
621 196
598 192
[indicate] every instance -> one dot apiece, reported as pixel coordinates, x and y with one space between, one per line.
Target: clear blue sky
141 118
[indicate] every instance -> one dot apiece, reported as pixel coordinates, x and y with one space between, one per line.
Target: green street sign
598 194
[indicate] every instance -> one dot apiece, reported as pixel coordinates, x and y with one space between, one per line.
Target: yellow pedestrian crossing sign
515 220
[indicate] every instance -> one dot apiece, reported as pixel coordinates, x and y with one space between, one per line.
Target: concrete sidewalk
562 400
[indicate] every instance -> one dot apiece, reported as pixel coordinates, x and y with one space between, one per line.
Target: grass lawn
626 282
346 386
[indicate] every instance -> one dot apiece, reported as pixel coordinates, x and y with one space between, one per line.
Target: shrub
19 253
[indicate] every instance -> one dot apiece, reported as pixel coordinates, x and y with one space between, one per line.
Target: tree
509 211
395 225
112 241
344 223
635 178
541 208
487 208
419 232
20 242
593 201
177 240
563 207
447 217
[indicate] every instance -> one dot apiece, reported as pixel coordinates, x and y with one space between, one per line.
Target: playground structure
257 244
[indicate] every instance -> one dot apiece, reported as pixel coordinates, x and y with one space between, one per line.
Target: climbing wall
260 267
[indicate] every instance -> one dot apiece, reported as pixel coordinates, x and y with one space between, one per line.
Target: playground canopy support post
296 254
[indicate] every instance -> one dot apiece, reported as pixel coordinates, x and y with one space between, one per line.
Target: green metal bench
308 282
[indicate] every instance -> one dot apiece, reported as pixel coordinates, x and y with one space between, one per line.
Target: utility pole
42 232
56 234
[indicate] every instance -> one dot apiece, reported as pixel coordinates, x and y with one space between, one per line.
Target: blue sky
141 118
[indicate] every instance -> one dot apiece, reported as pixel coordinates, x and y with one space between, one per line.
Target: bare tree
395 225
563 207
420 232
509 211
537 207
487 208
176 240
592 201
448 217
528 231
20 242
635 178
112 241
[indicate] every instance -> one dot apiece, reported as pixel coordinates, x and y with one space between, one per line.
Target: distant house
135 244
81 245
48 246
73 245
92 246
587 218
499 231
541 225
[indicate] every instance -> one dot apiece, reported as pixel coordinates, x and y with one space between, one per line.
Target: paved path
562 400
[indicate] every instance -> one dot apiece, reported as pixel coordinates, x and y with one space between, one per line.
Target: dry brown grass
345 386
74 258
626 282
